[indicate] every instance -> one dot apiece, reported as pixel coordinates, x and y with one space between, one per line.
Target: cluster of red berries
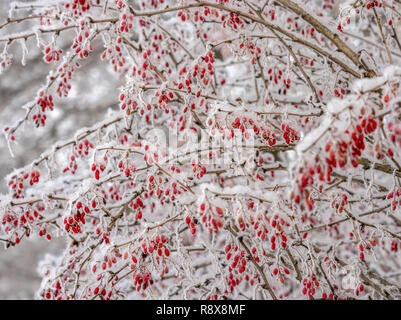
245 123
114 54
345 20
153 3
241 123
142 280
52 53
329 296
43 232
238 259
79 6
278 224
191 224
151 154
127 167
44 102
201 74
184 15
164 98
84 50
289 134
237 266
337 155
103 294
308 31
34 177
233 20
357 144
198 168
306 62
142 277
65 75
157 247
272 14
125 23
241 223
260 225
374 4
339 92
73 166
395 196
45 19
152 182
81 45
73 223
248 47
170 192
120 4
113 192
361 254
137 206
275 74
364 247
54 291
339 203
16 183
23 219
146 111
82 149
301 196
127 103
211 218
97 168
12 224
123 138
280 273
360 289
105 235
292 24
310 284
108 261
9 221
394 245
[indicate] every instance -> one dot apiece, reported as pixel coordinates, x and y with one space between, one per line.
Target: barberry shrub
280 175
